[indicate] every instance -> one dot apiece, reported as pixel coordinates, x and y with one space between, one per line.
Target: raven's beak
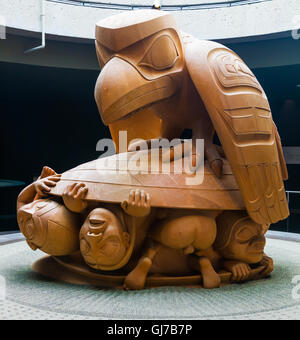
145 125
122 90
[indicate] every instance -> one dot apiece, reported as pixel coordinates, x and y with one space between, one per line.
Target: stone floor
27 296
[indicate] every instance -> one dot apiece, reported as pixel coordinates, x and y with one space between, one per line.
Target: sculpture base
66 269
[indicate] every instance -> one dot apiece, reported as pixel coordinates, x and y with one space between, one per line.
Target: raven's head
142 62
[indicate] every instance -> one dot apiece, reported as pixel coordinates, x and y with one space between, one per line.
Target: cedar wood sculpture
109 227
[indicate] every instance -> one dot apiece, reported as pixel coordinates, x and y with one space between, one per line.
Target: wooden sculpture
108 225
187 83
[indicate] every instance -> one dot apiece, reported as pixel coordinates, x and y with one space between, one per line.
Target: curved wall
70 31
78 22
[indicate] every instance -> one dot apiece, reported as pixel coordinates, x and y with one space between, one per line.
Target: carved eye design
97 225
161 55
95 221
245 235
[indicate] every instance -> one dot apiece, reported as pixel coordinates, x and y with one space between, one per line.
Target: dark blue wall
49 117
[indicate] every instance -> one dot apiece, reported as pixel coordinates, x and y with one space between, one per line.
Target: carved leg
209 276
136 279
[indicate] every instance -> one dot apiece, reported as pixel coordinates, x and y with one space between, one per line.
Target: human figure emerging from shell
141 239
117 228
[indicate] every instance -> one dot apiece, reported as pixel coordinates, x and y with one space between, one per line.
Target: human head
239 238
103 239
50 227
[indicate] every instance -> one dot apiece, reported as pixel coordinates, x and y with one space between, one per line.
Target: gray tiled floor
30 299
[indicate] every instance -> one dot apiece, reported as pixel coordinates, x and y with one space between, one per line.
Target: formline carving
108 226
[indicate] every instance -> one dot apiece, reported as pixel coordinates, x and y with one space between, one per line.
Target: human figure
46 223
182 245
111 234
171 243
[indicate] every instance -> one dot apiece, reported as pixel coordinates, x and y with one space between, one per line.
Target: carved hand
74 197
138 204
240 271
43 185
268 263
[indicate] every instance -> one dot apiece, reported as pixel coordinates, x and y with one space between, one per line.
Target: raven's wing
241 115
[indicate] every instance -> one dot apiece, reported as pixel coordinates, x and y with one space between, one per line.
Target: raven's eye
161 55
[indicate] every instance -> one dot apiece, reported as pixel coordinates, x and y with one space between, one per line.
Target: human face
103 241
247 244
